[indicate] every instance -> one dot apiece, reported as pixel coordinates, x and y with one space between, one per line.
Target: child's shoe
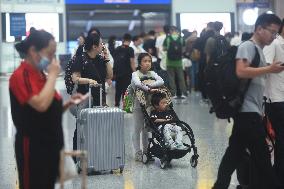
173 146
180 146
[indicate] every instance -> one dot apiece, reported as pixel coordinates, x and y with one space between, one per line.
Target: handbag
195 55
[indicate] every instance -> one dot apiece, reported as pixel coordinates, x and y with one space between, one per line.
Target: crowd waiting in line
178 61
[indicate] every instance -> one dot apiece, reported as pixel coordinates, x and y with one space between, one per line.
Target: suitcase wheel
121 168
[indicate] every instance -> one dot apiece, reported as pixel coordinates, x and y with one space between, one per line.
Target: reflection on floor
211 139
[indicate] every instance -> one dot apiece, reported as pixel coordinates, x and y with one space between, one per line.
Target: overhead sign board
17 24
117 1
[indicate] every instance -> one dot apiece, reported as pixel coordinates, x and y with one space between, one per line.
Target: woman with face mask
37 109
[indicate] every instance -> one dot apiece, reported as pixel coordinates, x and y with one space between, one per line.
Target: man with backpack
248 129
173 44
216 45
124 65
199 47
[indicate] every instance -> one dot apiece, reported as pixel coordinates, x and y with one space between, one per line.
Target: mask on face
43 63
175 36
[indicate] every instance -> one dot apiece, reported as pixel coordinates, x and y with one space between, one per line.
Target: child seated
160 115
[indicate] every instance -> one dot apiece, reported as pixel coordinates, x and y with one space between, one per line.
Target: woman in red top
37 110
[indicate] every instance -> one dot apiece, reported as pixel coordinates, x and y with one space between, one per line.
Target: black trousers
248 133
244 169
201 79
38 165
122 82
276 115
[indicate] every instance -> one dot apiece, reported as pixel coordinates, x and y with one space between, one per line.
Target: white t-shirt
236 41
159 44
274 89
137 51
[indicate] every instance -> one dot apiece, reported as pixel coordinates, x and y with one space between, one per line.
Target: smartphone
282 64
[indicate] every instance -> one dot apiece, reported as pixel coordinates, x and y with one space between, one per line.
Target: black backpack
68 71
224 89
222 46
68 76
174 51
121 65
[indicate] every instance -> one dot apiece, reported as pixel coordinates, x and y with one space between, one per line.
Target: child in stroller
157 143
164 119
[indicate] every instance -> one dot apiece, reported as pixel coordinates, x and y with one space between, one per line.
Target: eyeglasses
273 32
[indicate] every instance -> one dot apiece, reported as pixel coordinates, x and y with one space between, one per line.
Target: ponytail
37 38
22 49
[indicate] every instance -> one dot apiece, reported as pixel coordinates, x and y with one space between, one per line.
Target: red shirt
27 82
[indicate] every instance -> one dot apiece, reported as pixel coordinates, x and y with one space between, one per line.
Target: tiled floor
211 139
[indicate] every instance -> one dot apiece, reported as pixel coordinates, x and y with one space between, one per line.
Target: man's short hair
127 37
210 25
281 27
166 29
152 33
217 26
136 38
265 20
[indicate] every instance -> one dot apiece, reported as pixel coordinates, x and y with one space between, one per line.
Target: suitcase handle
101 94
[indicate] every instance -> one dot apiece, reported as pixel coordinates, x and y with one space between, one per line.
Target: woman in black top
91 68
36 109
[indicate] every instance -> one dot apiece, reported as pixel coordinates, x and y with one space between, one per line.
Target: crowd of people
175 59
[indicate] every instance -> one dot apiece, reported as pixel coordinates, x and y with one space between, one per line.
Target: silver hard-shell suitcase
101 134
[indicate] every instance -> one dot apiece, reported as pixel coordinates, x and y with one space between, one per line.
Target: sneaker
180 146
138 156
183 97
173 146
175 97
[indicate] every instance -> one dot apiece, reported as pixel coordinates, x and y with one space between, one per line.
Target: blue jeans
193 74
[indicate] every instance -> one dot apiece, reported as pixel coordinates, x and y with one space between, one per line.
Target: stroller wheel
145 158
121 168
164 162
193 161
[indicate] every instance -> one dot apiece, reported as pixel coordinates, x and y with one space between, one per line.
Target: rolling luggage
101 134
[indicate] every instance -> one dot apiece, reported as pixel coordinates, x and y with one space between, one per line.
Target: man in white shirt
274 92
137 47
160 49
236 40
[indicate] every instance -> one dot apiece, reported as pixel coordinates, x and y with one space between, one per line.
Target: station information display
117 1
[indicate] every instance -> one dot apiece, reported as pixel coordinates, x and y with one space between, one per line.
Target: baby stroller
156 143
